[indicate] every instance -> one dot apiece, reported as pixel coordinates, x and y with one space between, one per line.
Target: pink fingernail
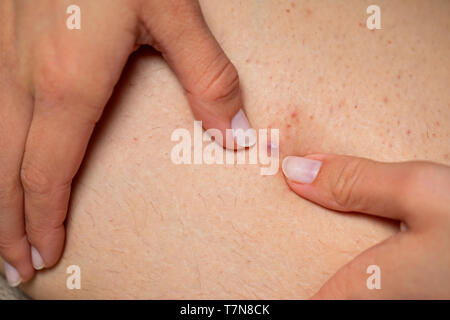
38 262
300 169
243 133
12 275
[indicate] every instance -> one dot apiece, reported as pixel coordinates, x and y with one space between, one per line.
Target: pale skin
298 139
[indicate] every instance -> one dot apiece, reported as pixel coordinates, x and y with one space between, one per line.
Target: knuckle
222 83
345 181
52 82
34 180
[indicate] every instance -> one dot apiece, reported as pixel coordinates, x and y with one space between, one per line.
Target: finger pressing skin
352 184
15 115
211 81
74 74
57 140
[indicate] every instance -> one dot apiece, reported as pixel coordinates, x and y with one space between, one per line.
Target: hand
415 263
55 83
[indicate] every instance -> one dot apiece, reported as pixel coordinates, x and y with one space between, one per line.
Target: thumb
401 191
211 81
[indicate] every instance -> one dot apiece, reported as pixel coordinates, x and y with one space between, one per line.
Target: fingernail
300 169
38 262
12 275
240 125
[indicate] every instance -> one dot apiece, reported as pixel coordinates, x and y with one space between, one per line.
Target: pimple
288 11
294 115
385 100
408 132
308 12
292 5
311 117
356 106
135 139
288 126
398 122
437 123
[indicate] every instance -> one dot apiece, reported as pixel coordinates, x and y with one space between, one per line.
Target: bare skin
142 227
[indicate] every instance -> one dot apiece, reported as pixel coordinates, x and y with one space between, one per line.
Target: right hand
414 263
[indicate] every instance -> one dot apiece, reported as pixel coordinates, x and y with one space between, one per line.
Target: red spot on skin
408 132
294 115
341 103
270 78
362 25
320 79
292 4
135 139
389 41
308 12
399 76
434 135
247 61
446 156
385 100
288 11
311 117
288 126
398 122
356 107
390 145
437 123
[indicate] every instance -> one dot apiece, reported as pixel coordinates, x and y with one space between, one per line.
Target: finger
74 74
392 190
15 115
384 272
61 127
211 81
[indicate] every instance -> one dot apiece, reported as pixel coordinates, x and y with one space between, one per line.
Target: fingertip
50 244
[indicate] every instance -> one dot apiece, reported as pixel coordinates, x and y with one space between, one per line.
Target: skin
134 239
53 100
